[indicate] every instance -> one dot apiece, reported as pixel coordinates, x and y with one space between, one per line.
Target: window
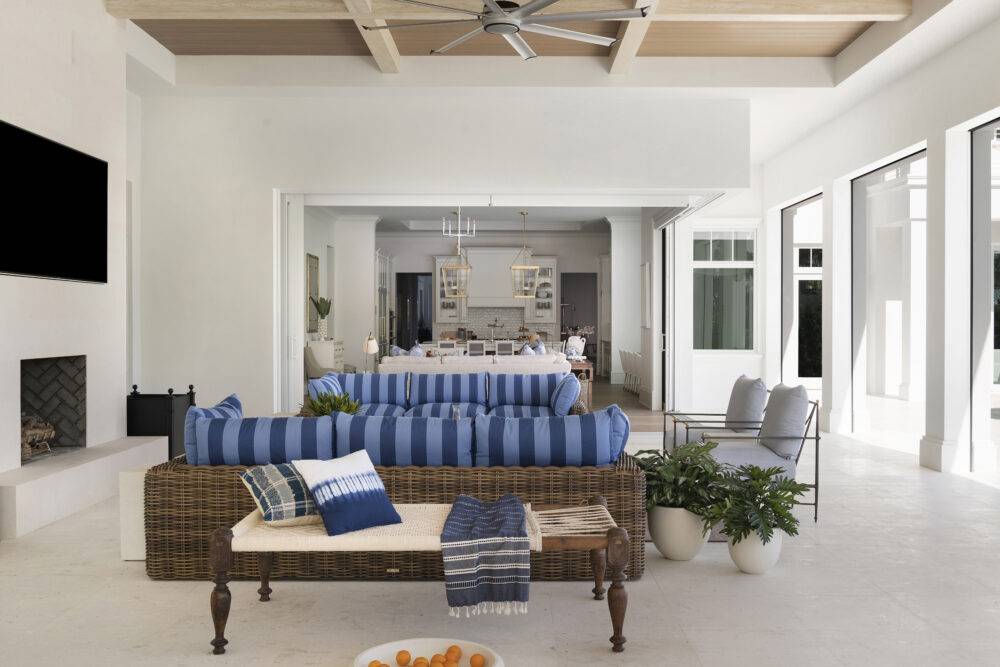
723 290
810 258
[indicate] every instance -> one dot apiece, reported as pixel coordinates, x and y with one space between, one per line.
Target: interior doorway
414 308
578 309
802 294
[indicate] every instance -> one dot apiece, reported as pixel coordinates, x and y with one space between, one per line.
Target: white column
838 364
626 313
945 445
354 302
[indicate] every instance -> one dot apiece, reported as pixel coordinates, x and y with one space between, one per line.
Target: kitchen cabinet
490 284
544 308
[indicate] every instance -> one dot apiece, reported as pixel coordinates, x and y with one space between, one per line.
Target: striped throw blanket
486 551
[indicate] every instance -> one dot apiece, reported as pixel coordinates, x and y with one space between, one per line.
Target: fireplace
53 405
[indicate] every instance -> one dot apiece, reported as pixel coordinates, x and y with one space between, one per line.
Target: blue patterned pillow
229 408
447 388
406 441
281 495
375 387
520 389
328 384
396 351
260 440
565 395
538 347
527 350
348 493
593 439
416 351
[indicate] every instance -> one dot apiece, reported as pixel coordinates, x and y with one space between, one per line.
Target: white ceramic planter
753 556
676 532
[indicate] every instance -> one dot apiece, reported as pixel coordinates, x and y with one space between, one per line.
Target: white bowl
426 648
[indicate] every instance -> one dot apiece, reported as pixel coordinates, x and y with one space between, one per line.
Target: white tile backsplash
511 318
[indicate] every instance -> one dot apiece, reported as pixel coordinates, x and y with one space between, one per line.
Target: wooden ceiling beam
380 42
675 10
630 36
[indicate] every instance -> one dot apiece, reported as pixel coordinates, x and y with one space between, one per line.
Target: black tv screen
55 214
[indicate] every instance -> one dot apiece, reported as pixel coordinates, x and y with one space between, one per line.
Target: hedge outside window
723 290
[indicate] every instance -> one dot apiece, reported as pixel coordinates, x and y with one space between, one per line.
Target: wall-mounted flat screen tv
55 212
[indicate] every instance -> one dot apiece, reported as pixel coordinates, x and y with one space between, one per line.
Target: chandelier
523 274
455 270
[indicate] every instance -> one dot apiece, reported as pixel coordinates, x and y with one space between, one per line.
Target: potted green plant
322 306
755 511
325 404
680 488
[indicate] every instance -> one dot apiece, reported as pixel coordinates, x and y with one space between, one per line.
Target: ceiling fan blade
568 34
521 46
461 40
494 7
532 7
447 9
608 15
418 24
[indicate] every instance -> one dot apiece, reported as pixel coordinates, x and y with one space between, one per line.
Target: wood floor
641 418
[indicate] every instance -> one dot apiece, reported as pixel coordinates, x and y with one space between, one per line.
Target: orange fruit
455 651
403 658
451 663
420 662
477 660
437 659
375 663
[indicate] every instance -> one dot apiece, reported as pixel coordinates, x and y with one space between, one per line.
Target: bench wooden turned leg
221 559
265 563
617 597
598 557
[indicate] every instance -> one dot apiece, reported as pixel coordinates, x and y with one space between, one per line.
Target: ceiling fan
508 19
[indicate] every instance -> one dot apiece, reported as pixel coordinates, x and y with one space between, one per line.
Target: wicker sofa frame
184 504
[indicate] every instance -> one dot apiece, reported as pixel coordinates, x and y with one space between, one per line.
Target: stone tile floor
903 568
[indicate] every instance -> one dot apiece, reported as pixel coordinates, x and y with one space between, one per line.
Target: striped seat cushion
328 384
281 495
444 410
261 440
518 389
447 388
565 395
381 410
521 411
375 387
594 439
405 441
229 408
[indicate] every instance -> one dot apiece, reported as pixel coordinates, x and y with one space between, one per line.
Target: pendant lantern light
523 273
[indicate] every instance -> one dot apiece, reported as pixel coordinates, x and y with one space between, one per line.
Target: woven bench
582 528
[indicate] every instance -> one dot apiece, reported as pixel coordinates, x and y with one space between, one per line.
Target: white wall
133 174
63 76
318 241
931 106
211 160
626 289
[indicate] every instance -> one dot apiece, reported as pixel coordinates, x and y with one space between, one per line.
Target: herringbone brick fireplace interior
55 390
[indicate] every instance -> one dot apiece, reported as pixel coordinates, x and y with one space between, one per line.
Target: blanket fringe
504 608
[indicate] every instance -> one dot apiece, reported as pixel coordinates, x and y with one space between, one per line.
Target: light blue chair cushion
738 454
784 425
348 493
520 389
444 410
594 439
406 441
381 410
521 411
746 404
375 387
260 440
447 388
565 395
229 408
328 384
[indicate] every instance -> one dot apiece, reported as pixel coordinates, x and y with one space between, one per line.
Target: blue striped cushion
447 388
565 395
328 384
281 495
260 440
381 410
375 387
519 389
404 441
594 439
521 411
229 408
444 410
